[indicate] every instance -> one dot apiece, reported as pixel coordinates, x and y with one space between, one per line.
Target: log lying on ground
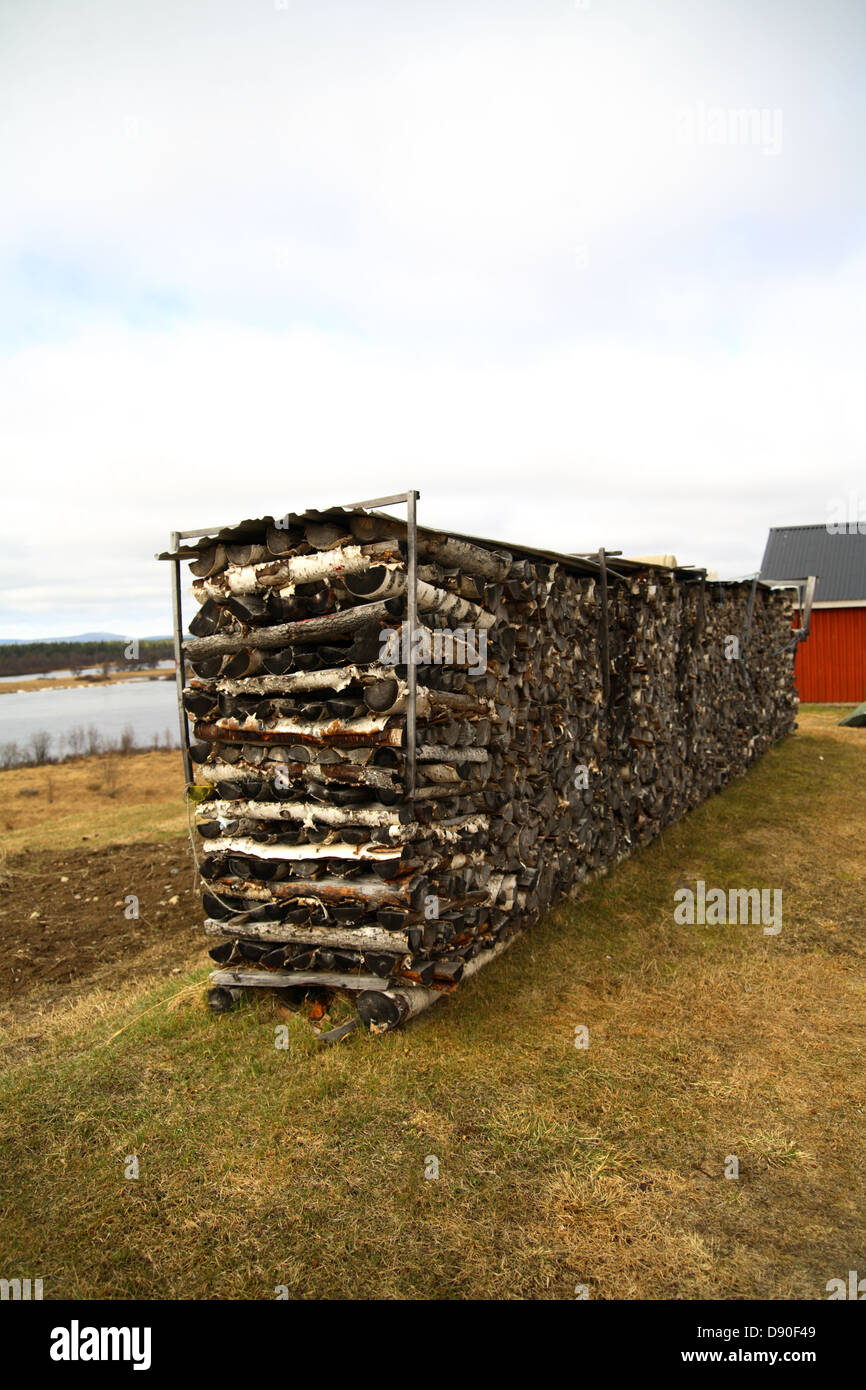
566 710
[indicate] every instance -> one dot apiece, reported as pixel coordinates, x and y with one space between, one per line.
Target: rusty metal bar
179 672
605 632
409 499
806 600
379 502
750 608
701 616
196 535
350 507
412 616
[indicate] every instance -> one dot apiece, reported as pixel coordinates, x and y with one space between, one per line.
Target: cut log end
378 1011
222 1001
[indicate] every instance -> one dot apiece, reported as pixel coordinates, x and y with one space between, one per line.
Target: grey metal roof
839 560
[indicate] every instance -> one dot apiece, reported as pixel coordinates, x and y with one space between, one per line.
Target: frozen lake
149 706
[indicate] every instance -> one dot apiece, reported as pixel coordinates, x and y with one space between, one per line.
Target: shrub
76 740
40 743
10 755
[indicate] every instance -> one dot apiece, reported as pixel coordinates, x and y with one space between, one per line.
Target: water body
148 706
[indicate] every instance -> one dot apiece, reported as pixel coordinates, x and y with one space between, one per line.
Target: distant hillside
82 637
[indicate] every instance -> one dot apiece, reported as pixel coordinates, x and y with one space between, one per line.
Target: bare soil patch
63 919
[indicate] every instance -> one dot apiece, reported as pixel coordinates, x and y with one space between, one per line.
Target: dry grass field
263 1167
76 682
91 802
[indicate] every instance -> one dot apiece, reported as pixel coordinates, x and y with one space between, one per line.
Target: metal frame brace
409 499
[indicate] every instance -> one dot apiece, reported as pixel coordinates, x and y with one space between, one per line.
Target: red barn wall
831 663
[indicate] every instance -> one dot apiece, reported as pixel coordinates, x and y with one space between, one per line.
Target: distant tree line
33 658
79 742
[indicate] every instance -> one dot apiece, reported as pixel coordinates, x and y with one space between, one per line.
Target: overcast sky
536 259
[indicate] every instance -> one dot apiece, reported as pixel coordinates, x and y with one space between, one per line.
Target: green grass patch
262 1167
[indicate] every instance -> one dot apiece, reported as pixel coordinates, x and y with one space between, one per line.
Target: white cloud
257 258
402 164
118 437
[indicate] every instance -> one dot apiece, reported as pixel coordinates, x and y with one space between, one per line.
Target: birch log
567 710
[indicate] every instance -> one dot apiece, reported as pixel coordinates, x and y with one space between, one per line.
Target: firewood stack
568 708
